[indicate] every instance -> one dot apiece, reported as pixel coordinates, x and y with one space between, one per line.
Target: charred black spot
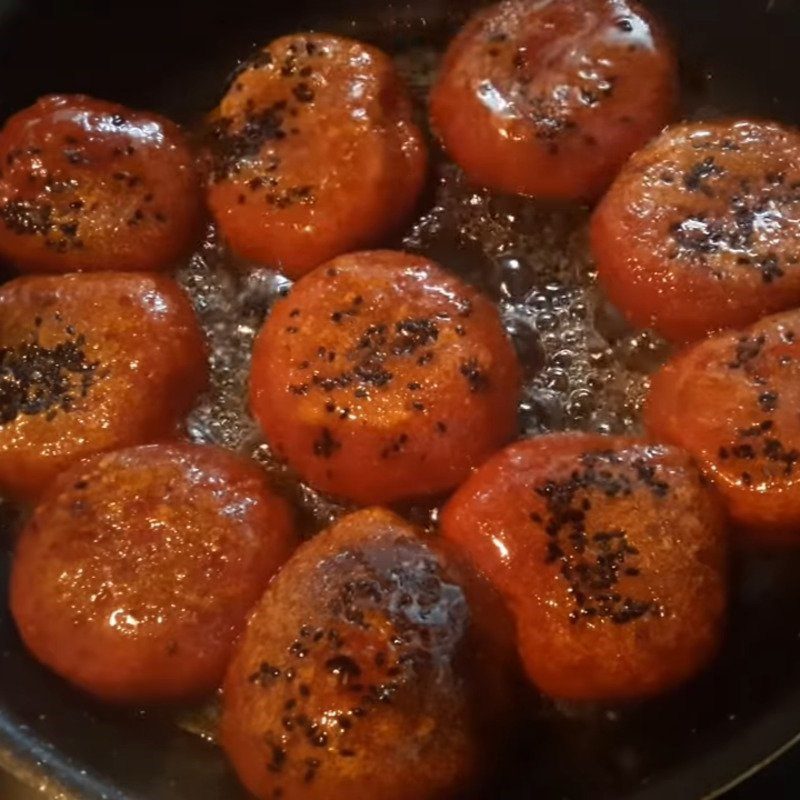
325 446
44 380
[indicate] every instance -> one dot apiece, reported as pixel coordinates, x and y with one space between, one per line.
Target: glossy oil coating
610 553
733 402
548 98
136 572
314 153
89 185
381 377
370 669
91 362
701 230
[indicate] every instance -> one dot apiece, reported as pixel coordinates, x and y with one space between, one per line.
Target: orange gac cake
314 153
701 229
91 362
135 574
374 666
549 99
732 401
611 555
88 185
380 377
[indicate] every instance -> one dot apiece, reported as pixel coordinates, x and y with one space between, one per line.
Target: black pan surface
739 57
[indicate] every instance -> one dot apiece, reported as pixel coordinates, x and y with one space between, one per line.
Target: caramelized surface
732 401
90 185
91 362
380 377
314 153
361 673
549 98
611 554
593 368
137 570
700 230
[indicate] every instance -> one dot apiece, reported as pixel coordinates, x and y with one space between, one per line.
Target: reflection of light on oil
767 222
491 97
142 132
501 547
155 302
692 225
630 28
358 90
237 509
121 619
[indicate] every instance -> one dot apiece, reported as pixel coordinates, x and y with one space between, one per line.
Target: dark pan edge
712 773
754 770
722 769
42 769
38 767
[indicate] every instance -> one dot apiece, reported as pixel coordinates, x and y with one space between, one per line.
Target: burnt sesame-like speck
303 92
591 561
768 401
326 445
476 378
35 379
234 145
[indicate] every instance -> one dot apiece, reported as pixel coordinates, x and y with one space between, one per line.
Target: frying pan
738 57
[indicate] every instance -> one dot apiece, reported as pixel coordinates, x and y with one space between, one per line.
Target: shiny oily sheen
313 153
700 230
549 99
135 574
743 389
91 362
611 555
374 666
88 185
584 368
381 377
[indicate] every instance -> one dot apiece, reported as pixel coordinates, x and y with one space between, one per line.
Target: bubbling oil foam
584 369
232 301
